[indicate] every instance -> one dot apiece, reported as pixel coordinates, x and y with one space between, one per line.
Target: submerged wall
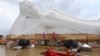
79 37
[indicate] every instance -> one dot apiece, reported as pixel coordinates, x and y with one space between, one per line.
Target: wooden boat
51 52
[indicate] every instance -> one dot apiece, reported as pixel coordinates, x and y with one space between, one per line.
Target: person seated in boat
72 45
69 44
24 43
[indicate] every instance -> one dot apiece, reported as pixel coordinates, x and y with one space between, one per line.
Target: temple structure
31 24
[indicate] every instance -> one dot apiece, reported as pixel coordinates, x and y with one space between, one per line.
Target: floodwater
4 51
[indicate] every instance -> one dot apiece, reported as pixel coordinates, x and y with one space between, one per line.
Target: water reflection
2 51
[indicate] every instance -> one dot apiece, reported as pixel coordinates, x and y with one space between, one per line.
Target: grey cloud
14 2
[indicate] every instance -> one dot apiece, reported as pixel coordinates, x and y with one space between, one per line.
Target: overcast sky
81 9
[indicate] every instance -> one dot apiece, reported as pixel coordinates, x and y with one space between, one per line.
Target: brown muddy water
4 51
